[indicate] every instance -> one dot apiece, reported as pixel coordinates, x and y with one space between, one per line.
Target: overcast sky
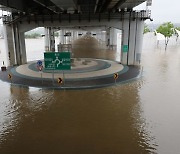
163 11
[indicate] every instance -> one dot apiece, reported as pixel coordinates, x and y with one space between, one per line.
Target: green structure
125 48
57 60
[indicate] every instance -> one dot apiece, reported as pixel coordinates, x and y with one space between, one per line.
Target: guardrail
143 14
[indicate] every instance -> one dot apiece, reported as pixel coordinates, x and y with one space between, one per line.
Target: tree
146 29
32 36
167 29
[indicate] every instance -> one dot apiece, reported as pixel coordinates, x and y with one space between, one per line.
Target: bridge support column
20 49
132 41
139 41
46 39
52 40
113 38
9 45
23 48
108 37
15 45
73 36
49 39
61 37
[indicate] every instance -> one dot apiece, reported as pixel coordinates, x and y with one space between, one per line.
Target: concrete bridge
73 14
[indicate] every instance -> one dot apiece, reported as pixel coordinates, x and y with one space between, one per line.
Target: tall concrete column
64 38
17 45
49 39
139 41
111 42
132 41
108 37
46 39
113 37
125 41
73 35
132 44
20 49
23 48
69 37
52 39
61 38
9 45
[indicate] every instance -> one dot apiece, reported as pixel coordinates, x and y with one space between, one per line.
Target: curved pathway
85 73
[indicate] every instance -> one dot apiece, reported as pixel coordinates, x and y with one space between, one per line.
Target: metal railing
143 14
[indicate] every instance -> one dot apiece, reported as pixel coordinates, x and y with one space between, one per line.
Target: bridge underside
27 15
46 7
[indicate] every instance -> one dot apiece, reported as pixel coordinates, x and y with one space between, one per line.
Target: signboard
116 76
57 61
125 48
9 76
39 63
60 81
40 68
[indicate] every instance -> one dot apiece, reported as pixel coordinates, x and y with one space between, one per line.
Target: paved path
85 73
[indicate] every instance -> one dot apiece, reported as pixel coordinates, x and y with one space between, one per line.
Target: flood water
141 116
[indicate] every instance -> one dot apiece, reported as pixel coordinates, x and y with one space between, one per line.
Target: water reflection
89 47
108 120
91 121
160 96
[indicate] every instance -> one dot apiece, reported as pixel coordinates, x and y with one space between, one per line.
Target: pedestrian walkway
85 73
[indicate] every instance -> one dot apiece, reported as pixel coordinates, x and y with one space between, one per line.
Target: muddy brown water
141 116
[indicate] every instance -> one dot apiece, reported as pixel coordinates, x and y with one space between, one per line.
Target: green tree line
32 36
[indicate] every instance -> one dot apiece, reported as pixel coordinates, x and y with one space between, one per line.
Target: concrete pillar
23 48
77 32
108 37
46 39
76 35
113 37
125 41
52 39
139 41
9 45
132 41
20 48
119 40
69 38
64 37
61 37
103 36
15 45
49 39
73 36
